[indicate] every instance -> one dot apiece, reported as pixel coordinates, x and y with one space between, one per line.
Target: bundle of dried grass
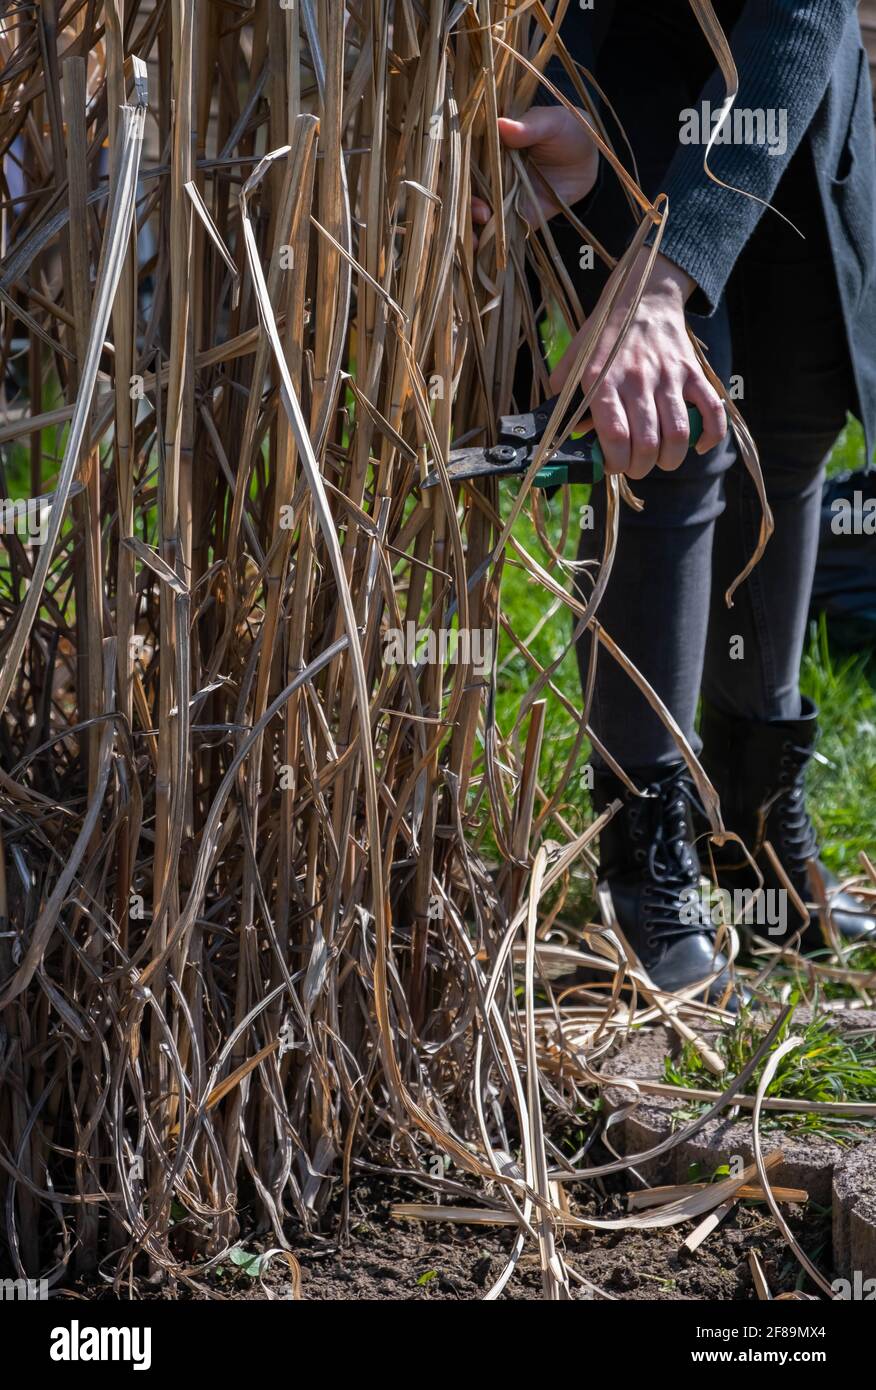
262 889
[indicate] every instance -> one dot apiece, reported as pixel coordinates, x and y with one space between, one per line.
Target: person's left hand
558 146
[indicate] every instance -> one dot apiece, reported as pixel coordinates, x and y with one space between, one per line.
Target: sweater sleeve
784 52
583 32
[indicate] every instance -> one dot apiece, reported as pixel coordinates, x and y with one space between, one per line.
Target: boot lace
798 840
659 831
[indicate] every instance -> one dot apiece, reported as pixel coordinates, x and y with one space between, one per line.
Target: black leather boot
648 860
758 771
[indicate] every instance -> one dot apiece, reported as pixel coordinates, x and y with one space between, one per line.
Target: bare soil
386 1259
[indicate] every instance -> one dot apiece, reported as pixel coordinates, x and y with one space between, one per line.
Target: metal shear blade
520 436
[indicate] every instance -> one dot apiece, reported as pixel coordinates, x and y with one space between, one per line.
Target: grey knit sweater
784 52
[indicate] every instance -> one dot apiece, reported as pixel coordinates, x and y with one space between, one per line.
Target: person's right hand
640 409
558 146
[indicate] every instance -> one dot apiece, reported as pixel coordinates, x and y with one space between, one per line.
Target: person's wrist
669 278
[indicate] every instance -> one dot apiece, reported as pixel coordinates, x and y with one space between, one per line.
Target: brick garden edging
854 1212
809 1161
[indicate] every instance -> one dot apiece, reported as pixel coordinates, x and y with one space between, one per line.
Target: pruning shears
574 461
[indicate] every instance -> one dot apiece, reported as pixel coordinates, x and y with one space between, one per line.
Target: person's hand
558 146
640 409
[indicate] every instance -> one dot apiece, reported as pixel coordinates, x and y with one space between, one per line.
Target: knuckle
677 431
636 378
614 431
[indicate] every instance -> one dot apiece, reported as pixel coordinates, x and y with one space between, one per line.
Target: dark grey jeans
675 560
